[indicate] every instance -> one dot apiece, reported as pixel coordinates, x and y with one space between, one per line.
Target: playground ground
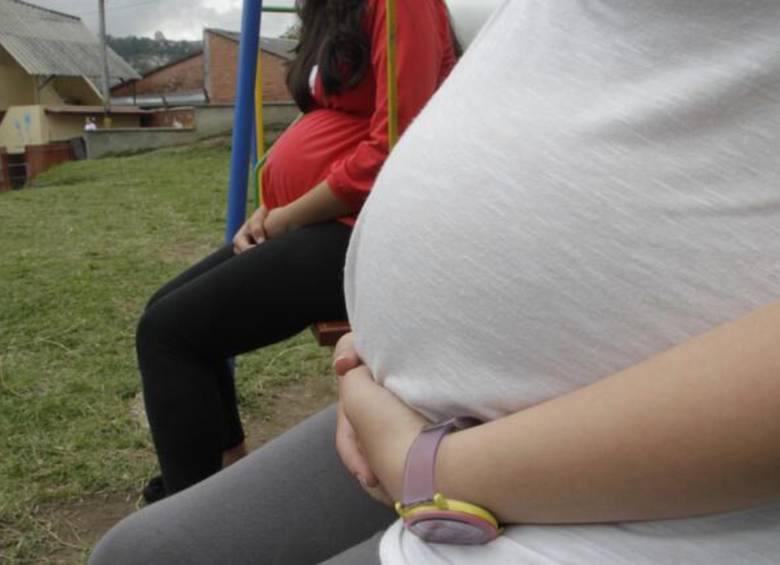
79 255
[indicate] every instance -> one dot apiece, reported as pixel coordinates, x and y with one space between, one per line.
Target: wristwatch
427 513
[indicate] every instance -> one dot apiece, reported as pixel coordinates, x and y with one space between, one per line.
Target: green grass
79 256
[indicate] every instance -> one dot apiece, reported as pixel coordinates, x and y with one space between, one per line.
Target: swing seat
328 333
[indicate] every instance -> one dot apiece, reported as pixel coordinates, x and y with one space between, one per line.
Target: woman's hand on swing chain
278 221
252 233
375 428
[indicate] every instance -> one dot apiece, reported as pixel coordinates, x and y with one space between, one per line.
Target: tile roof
275 45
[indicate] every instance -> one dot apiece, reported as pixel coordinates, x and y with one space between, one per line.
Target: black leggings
224 306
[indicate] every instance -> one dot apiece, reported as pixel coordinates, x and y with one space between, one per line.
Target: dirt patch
288 407
188 253
78 525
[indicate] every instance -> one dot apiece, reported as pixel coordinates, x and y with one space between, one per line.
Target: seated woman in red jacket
284 269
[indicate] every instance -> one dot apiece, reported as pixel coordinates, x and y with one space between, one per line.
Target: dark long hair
333 37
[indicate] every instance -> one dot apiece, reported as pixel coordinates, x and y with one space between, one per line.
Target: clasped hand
261 225
374 429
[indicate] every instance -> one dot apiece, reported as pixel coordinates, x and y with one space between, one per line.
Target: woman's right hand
252 232
345 358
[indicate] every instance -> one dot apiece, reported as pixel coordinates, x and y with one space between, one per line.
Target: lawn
80 253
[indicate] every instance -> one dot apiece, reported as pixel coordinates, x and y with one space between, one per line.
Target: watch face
442 527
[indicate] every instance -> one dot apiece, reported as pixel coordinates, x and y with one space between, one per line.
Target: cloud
185 19
177 19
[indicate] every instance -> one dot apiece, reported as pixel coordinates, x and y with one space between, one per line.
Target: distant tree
292 32
146 54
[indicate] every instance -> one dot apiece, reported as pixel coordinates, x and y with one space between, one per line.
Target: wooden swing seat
328 333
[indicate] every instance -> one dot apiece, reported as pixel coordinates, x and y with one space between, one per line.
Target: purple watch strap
420 472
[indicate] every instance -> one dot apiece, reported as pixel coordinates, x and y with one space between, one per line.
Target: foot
154 490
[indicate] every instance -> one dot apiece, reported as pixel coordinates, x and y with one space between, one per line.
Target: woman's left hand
384 425
278 221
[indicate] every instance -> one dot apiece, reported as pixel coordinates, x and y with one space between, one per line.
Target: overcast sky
177 19
185 19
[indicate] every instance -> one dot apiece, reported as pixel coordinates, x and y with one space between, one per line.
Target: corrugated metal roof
167 99
45 42
278 46
283 48
91 110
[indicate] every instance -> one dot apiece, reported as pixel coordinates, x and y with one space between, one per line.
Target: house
221 54
209 76
50 65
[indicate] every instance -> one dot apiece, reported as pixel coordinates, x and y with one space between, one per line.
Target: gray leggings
290 502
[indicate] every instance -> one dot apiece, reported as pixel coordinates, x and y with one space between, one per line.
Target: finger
257 231
355 462
256 228
345 356
241 243
351 455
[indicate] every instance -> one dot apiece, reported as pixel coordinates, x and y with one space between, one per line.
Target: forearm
694 430
317 205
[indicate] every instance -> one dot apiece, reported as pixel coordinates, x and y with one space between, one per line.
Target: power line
122 7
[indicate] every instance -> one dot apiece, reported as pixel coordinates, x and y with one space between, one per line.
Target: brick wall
184 75
43 157
166 118
222 72
274 79
219 79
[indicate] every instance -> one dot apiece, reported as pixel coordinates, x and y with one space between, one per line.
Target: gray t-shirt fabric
597 181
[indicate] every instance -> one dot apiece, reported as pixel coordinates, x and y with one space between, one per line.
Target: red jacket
344 139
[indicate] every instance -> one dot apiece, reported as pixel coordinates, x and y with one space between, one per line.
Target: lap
227 305
290 501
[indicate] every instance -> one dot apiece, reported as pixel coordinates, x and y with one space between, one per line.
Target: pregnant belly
303 156
481 283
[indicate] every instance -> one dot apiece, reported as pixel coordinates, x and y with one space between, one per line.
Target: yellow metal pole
392 78
259 124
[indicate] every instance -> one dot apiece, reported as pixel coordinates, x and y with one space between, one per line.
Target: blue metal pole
244 114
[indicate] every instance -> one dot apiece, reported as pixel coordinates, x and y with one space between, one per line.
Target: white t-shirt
597 181
469 16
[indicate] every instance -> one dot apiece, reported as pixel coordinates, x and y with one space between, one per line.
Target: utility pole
104 56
